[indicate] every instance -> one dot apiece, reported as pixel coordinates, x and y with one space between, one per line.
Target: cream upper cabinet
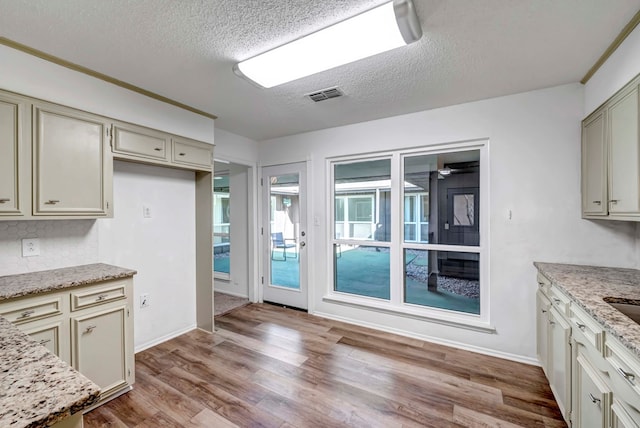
136 141
192 153
594 173
12 118
611 158
624 171
72 163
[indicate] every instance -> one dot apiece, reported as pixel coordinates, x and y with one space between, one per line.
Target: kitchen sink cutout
630 308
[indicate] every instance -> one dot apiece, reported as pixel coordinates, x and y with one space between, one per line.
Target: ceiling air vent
325 94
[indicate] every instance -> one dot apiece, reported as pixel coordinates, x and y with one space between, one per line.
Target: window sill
410 311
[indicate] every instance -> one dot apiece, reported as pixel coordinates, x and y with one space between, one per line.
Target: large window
411 239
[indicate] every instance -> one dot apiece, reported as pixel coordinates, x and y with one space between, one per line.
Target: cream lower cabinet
99 347
560 361
542 330
90 327
591 394
594 378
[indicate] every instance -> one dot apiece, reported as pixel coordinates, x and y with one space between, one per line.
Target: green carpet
366 273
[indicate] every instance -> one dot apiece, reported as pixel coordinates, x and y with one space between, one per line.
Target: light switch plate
30 247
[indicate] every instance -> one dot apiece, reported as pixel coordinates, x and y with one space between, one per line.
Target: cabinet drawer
559 301
195 154
585 328
544 283
131 140
97 296
625 371
24 311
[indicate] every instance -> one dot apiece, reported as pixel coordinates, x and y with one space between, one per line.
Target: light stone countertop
38 389
588 285
25 284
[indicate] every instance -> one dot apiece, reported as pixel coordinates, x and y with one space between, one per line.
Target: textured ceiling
185 50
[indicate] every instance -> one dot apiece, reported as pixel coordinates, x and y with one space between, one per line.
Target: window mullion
397 217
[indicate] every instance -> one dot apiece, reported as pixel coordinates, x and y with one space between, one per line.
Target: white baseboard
166 337
437 340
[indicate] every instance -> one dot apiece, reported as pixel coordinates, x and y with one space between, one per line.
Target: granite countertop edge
26 284
588 285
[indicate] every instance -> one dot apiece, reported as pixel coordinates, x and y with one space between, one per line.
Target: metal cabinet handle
101 297
594 400
580 326
181 154
614 201
630 377
52 201
597 202
44 341
158 149
27 314
557 300
3 200
90 329
552 322
543 311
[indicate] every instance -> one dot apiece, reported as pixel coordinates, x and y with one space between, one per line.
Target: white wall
622 66
535 172
161 248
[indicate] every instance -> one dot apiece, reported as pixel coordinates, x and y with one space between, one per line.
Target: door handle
302 244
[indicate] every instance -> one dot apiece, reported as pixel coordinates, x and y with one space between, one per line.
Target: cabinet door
72 167
542 330
624 168
142 142
560 360
99 347
50 335
594 161
11 111
592 397
192 153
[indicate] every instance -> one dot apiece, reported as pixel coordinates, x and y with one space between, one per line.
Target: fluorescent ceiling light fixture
383 28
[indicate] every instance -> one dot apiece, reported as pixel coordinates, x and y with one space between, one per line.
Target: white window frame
396 305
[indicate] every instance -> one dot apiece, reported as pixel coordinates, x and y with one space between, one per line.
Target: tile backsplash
62 243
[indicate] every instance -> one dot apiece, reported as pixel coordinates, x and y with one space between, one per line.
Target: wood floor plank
268 366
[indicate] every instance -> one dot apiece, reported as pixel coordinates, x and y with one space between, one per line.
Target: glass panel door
284 235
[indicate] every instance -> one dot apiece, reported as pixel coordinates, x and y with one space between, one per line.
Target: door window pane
448 185
284 224
442 279
362 270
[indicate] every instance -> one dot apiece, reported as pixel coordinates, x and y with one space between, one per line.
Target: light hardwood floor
274 367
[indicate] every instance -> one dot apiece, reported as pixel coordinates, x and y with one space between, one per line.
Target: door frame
264 249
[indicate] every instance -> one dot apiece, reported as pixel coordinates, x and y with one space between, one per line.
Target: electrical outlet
30 247
144 300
